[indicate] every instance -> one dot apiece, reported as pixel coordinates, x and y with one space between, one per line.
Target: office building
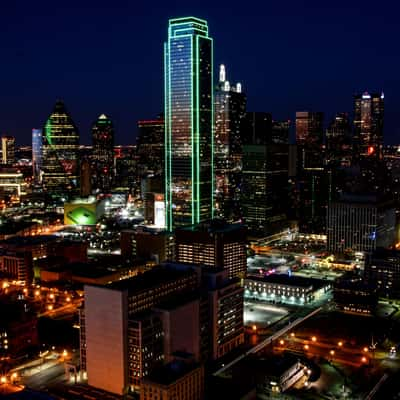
339 148
37 140
12 184
60 163
225 299
8 150
382 271
176 380
312 178
150 147
171 309
126 177
105 319
189 176
229 110
284 288
215 244
265 175
360 223
103 154
150 244
368 125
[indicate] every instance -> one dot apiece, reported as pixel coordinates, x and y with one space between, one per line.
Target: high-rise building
382 271
189 177
8 149
360 223
230 109
338 141
37 154
150 147
368 125
312 177
309 138
103 153
265 173
60 163
122 311
215 244
256 128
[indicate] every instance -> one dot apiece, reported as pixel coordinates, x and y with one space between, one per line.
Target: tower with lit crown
60 164
103 153
188 66
230 110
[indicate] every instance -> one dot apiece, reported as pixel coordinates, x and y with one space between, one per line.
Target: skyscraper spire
222 73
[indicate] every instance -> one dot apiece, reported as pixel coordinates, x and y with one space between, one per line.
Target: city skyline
129 88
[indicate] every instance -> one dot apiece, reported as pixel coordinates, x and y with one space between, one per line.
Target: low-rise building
285 288
176 380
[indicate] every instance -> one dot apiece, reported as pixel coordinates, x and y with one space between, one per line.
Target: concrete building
109 308
148 243
382 271
360 223
214 244
284 288
176 380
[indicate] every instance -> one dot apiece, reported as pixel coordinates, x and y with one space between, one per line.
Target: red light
371 150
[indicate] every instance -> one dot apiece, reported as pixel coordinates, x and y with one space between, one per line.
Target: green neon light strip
187 19
193 113
197 131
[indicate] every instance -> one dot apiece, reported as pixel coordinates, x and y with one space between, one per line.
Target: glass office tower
37 154
60 164
189 182
103 153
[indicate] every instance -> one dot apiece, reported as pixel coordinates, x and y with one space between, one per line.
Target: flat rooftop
290 280
157 275
171 372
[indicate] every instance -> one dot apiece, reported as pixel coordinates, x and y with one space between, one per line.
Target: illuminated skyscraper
60 153
37 154
312 177
150 147
368 124
103 153
230 110
189 179
8 149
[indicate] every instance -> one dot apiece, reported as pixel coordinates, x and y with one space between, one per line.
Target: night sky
106 57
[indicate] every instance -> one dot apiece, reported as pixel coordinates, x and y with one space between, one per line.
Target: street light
332 352
340 344
3 379
281 342
306 346
365 349
314 339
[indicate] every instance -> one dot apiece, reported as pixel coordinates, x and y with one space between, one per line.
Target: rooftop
171 372
149 279
290 280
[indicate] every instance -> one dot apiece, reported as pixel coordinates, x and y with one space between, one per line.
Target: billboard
80 214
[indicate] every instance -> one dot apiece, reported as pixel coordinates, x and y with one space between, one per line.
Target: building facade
230 110
37 140
60 163
215 245
360 223
189 176
368 125
8 150
103 154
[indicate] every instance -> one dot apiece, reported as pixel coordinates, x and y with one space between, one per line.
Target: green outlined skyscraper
189 176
